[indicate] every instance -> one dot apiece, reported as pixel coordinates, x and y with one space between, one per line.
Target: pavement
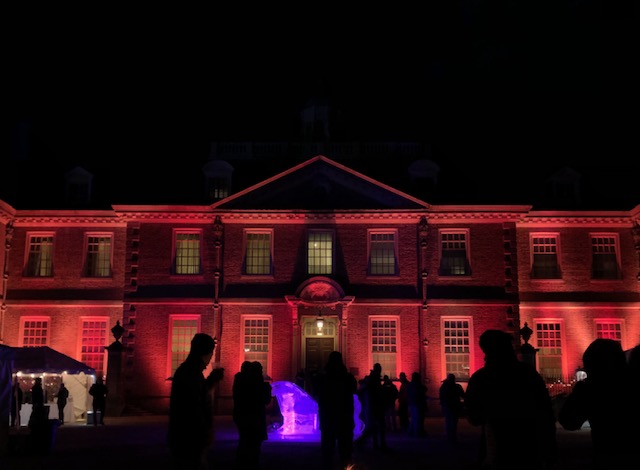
128 443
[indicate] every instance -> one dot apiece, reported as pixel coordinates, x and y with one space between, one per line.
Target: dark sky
477 79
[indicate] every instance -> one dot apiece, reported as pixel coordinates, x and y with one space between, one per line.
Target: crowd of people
507 398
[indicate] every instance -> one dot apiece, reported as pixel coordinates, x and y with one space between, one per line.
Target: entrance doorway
317 353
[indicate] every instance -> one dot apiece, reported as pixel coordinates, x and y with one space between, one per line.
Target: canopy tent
44 361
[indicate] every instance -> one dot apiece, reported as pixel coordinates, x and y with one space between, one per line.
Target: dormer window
217 175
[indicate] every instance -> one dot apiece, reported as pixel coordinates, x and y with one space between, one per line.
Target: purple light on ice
300 413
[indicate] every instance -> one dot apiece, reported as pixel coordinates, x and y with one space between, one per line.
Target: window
98 262
40 256
35 331
257 258
454 260
320 252
94 339
187 252
604 256
256 341
549 344
382 253
609 329
544 253
456 347
218 188
182 328
384 345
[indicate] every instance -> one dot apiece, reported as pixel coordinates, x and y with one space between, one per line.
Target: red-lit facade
391 279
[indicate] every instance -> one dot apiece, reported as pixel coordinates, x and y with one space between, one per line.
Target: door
317 353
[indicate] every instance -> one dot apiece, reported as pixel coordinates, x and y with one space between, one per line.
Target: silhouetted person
510 400
63 395
390 396
190 406
37 393
417 399
607 399
16 402
374 407
99 393
451 395
403 403
251 395
335 388
38 421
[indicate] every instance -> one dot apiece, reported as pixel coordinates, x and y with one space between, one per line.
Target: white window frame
446 369
441 249
253 350
37 272
187 267
371 243
318 271
388 348
539 344
555 245
189 331
89 271
603 329
46 328
105 337
616 246
245 251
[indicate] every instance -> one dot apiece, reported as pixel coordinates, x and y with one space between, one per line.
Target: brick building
316 258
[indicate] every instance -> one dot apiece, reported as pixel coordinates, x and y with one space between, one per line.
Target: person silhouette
374 407
63 395
190 430
510 400
251 394
99 393
451 395
403 404
335 390
417 398
608 399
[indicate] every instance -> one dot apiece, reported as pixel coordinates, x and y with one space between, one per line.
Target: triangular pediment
320 184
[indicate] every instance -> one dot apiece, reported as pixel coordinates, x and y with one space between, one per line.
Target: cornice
578 221
53 221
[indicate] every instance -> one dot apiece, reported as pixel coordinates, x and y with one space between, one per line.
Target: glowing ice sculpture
300 413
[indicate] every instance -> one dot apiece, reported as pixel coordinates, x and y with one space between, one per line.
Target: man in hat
190 407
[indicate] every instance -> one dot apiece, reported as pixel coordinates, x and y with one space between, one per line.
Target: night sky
527 82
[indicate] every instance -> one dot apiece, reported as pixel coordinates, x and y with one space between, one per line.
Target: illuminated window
384 345
94 339
257 253
218 188
187 252
456 347
544 250
604 257
454 259
320 252
609 330
35 331
382 253
98 263
40 260
549 344
182 328
256 334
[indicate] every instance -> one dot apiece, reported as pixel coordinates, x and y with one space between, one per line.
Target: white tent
55 367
